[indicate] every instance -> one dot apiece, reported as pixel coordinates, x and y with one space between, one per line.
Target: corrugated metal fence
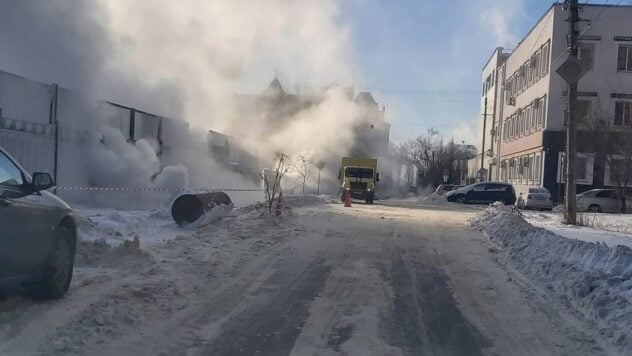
32 144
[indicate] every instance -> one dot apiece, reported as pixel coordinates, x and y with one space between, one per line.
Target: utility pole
320 165
571 132
54 121
483 146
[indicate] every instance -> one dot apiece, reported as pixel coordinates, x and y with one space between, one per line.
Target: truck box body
358 177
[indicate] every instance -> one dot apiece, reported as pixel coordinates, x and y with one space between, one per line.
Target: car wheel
461 199
57 275
594 208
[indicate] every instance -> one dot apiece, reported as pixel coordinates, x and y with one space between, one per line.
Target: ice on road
322 280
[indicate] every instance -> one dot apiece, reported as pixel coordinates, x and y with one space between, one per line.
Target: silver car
600 200
38 234
537 198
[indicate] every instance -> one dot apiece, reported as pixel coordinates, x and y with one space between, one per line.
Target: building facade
527 100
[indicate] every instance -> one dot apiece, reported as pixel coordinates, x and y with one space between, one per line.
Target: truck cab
358 177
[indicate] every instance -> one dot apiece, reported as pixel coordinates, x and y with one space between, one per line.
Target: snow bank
101 254
297 201
218 212
434 199
117 226
610 229
594 278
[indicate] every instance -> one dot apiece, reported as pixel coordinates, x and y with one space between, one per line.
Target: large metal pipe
200 209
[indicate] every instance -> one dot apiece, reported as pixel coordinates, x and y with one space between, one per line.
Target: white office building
527 99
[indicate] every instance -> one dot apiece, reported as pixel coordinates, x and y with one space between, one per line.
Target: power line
418 92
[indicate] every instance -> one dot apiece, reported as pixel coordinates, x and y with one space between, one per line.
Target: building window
623 113
618 172
542 107
545 59
583 109
586 55
580 168
624 59
537 168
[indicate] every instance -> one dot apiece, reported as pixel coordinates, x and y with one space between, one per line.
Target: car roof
544 189
599 190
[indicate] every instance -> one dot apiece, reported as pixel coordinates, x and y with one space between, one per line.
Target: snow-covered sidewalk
611 229
150 227
591 277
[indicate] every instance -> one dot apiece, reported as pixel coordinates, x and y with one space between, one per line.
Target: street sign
320 165
572 70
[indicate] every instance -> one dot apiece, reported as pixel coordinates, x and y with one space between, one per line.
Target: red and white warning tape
152 189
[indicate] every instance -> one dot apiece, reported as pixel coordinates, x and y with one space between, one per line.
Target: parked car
601 200
536 198
38 235
487 192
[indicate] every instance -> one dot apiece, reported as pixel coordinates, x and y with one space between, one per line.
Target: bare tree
432 156
272 180
612 143
302 166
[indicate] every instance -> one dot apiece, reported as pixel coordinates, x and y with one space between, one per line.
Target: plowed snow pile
434 199
594 278
297 201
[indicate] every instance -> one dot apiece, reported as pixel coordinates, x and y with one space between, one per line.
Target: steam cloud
186 59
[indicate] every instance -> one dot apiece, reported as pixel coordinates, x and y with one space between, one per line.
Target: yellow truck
358 177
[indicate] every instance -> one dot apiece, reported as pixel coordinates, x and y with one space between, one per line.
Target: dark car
37 233
487 192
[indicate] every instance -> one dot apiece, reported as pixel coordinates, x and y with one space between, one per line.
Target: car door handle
5 202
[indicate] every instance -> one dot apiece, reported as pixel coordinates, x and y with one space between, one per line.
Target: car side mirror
377 177
42 181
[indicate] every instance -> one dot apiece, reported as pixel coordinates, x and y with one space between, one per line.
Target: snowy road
325 280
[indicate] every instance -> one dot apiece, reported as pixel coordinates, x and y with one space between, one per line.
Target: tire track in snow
425 318
270 326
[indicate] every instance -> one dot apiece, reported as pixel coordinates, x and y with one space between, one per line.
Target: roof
275 88
365 97
501 55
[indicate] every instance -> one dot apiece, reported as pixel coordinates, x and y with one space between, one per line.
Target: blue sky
423 59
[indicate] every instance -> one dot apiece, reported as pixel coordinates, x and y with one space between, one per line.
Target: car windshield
538 191
356 172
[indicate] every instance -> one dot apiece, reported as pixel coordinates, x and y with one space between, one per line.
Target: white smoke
186 59
499 17
207 48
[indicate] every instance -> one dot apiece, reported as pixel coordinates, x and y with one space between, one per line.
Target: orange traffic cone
347 199
277 211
